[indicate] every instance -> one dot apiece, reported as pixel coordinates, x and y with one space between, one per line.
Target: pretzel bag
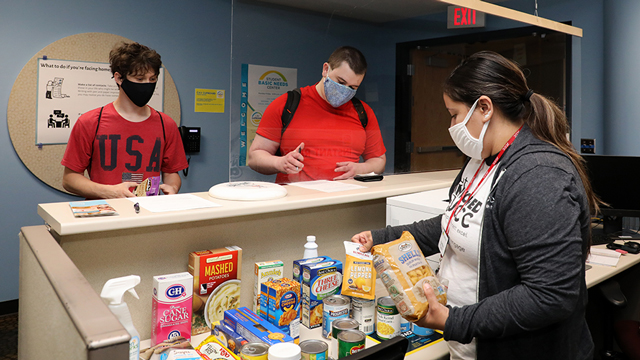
403 270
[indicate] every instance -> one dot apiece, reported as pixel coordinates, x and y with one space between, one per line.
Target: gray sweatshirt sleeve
538 216
426 233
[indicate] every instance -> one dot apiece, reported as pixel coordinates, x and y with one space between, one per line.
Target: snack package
211 349
358 274
148 187
403 270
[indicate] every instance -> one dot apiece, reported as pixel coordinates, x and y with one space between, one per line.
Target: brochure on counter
92 208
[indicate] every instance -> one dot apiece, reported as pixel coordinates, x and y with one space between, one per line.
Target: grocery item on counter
359 274
314 349
148 187
254 328
171 307
337 327
297 265
284 351
388 319
310 248
216 285
364 312
228 337
350 342
265 271
403 270
405 325
163 349
283 302
211 349
113 291
334 307
255 351
318 282
421 331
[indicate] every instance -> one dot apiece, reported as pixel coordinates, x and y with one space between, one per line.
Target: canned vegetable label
335 307
313 350
364 312
350 342
254 351
388 324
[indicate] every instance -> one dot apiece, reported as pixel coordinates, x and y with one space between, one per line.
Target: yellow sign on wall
209 100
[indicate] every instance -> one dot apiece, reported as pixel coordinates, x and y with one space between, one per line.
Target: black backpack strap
164 135
290 107
362 114
94 138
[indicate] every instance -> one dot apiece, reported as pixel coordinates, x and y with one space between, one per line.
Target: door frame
403 103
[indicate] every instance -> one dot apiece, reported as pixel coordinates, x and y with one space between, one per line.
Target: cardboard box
171 307
283 301
254 328
216 285
228 337
297 265
318 281
265 271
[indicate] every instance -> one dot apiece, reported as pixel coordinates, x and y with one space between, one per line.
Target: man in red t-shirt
126 141
325 139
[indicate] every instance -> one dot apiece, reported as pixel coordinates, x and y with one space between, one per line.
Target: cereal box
171 307
265 271
254 328
283 305
318 281
298 263
216 285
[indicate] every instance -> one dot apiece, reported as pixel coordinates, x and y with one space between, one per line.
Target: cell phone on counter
368 177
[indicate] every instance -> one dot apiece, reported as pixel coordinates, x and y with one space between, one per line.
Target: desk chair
610 289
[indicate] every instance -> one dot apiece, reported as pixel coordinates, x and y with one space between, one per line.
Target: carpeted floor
9 332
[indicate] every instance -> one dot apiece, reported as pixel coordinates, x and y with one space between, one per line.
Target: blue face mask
337 94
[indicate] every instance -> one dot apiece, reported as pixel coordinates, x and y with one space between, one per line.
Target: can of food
421 331
350 342
364 312
405 325
254 351
314 350
388 323
337 327
335 307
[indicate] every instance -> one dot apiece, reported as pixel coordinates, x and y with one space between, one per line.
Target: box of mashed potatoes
216 285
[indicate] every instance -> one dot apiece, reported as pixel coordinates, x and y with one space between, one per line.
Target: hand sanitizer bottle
310 248
113 291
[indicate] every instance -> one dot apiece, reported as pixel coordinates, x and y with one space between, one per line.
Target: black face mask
138 93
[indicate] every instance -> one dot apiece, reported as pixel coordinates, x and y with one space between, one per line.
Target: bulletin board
44 161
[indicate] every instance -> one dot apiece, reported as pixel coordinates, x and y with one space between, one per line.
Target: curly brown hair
134 59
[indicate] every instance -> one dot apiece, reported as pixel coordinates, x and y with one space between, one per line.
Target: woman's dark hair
134 59
488 73
354 58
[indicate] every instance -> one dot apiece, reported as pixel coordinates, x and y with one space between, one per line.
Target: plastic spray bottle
113 291
310 248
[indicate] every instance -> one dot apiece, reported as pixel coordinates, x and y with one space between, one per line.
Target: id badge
442 244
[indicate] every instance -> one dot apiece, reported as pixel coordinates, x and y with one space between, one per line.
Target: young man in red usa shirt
126 141
325 138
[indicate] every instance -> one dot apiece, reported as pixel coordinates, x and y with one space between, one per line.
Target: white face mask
469 145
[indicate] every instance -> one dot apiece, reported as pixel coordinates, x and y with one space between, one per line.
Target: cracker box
265 271
216 285
254 328
171 307
298 263
318 281
283 305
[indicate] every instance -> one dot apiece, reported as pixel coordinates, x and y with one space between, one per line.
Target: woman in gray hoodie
515 236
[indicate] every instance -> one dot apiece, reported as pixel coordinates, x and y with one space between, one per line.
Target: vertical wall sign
260 86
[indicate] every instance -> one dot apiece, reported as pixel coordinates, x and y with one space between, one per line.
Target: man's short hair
354 58
134 59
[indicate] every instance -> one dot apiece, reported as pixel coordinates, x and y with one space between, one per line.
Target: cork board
44 162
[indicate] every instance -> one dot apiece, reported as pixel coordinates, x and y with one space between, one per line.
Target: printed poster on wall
69 88
260 86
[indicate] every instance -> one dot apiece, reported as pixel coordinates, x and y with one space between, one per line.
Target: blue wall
195 41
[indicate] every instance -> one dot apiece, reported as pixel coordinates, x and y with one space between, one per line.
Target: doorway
422 141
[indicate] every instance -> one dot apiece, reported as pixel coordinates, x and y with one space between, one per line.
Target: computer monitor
614 180
393 349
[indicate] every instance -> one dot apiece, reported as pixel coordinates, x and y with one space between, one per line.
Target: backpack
293 99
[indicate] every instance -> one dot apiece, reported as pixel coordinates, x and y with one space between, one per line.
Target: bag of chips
359 277
403 271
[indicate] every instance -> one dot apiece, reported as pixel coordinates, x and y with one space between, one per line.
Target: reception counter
64 264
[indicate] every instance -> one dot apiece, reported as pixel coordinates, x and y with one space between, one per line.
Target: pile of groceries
339 297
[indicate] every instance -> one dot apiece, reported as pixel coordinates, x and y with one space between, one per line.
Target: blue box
254 328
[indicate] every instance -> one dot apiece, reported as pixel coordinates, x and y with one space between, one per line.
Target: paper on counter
176 202
327 186
604 257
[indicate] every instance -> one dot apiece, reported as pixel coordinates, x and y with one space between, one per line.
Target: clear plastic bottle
310 248
113 291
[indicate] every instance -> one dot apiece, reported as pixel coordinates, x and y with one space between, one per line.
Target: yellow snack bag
403 270
359 278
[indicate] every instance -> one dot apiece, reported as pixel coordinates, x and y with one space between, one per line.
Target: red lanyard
495 161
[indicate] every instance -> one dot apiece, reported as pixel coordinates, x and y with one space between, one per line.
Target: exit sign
461 17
